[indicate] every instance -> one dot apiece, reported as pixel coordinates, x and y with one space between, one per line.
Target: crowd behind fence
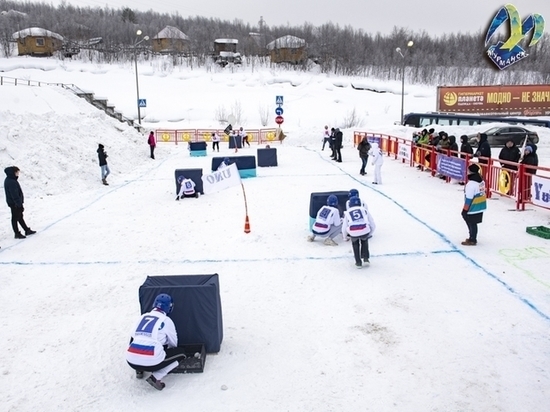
503 178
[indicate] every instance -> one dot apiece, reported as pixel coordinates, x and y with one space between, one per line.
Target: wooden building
171 40
35 41
287 49
225 52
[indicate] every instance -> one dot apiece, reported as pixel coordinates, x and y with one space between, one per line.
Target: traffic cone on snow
246 225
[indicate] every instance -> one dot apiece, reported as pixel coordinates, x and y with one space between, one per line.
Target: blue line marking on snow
443 237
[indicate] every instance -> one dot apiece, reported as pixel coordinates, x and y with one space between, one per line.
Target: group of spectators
510 153
334 138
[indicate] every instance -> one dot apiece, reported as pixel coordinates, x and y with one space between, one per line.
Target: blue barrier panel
235 141
197 146
245 164
267 157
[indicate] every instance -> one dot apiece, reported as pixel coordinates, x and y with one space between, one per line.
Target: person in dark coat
102 156
338 137
483 151
453 146
530 158
331 143
15 199
364 147
465 146
510 153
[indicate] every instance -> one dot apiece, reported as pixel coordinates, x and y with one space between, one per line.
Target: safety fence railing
258 136
524 184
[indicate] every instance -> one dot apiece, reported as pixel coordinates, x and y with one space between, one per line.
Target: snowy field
430 326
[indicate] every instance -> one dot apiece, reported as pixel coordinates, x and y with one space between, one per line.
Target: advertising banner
516 100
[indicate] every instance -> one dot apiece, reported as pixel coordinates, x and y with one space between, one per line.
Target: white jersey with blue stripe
356 222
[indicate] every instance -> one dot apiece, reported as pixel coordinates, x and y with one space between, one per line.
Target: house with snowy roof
287 49
36 41
170 40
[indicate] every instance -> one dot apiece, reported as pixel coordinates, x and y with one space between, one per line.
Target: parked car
498 136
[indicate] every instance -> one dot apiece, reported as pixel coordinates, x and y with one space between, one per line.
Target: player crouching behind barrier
327 223
356 227
153 345
187 189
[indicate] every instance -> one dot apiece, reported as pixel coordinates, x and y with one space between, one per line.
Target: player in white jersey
187 189
356 226
244 137
355 193
377 160
327 223
153 343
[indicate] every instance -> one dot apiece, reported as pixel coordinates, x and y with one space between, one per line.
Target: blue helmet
353 192
164 302
332 200
354 201
227 161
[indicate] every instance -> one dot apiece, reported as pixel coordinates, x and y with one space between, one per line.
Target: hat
473 168
528 149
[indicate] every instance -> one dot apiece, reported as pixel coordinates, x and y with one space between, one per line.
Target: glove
464 213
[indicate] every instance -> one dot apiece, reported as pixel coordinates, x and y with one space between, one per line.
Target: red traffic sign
279 120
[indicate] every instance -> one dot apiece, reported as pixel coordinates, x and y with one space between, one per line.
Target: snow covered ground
429 326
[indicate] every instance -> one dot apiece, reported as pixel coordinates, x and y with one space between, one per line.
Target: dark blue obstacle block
197 311
267 157
194 174
245 164
235 141
319 199
197 146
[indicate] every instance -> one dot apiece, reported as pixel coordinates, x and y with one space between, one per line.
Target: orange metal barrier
205 135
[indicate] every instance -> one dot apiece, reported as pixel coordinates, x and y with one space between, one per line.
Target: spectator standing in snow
327 222
364 148
102 156
338 138
475 203
215 142
377 161
15 200
154 343
244 137
152 144
510 153
530 158
355 226
326 137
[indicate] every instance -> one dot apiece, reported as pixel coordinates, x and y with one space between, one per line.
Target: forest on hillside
450 59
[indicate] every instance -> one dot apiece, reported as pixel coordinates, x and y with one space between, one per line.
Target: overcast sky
435 17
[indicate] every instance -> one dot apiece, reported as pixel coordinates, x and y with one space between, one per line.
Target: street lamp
137 43
398 50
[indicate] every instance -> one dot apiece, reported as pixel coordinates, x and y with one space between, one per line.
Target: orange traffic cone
246 225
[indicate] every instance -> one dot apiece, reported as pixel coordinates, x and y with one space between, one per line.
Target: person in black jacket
465 146
364 147
483 151
338 137
102 156
530 158
15 199
510 153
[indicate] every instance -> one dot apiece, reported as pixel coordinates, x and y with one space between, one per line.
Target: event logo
450 98
504 54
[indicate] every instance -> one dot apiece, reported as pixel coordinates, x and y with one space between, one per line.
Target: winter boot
105 182
19 235
155 383
139 374
469 242
29 231
329 242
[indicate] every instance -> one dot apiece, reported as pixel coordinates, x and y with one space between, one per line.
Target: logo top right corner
505 53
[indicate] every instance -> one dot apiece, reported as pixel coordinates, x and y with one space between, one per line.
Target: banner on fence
451 166
403 151
540 191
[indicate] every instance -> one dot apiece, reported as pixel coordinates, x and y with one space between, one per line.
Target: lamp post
137 43
398 50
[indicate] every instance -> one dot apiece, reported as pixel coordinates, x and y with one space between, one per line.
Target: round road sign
279 120
279 111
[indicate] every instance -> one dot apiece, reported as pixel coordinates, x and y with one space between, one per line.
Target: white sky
430 325
435 18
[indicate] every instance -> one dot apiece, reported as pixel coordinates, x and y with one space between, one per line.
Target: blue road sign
279 100
279 111
142 102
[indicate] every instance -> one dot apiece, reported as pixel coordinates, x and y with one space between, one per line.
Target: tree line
449 59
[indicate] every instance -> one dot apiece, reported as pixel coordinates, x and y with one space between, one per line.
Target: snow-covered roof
286 42
35 32
229 54
171 32
234 41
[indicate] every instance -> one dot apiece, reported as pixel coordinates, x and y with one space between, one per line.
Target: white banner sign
540 191
221 179
404 151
